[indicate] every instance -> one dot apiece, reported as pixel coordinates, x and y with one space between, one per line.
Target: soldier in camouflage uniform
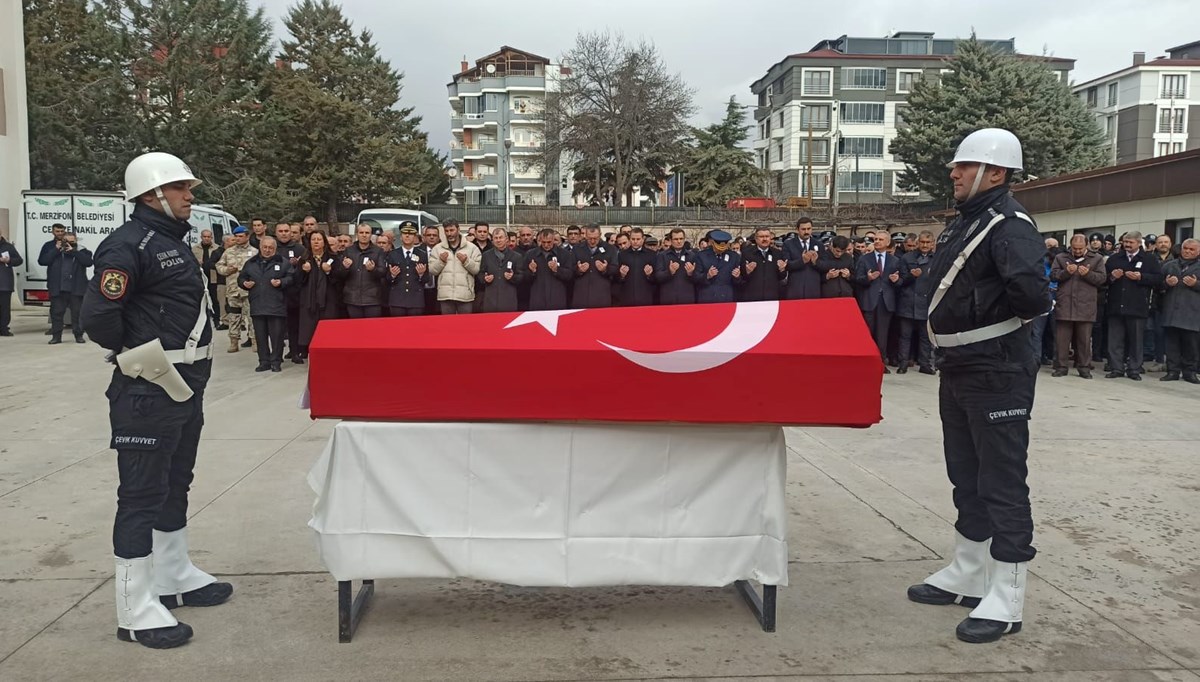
237 299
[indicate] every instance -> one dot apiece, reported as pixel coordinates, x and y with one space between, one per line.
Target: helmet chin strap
974 185
166 207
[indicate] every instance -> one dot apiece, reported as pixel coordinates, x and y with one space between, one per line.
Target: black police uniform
986 393
148 285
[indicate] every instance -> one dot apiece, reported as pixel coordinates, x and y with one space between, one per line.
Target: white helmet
150 171
993 146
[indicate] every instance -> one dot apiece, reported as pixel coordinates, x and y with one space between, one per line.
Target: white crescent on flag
751 323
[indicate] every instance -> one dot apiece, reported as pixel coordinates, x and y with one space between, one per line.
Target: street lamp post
507 171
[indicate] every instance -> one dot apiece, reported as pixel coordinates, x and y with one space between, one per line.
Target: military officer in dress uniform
407 274
718 268
990 283
148 305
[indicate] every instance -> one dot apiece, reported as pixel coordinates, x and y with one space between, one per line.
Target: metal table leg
763 607
350 609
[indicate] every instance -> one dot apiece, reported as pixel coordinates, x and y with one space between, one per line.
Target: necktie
880 259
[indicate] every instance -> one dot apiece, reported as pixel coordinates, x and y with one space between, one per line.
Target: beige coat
1077 294
455 279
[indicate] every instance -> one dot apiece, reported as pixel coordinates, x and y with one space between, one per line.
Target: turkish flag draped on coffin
787 362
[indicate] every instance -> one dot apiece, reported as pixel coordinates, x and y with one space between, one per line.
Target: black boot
981 631
1170 376
275 367
55 340
1060 372
158 638
262 367
79 339
902 369
209 595
928 594
1191 378
248 343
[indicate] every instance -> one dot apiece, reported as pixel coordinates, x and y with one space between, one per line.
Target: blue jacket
718 289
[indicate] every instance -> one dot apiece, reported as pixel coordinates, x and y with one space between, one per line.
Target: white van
91 216
389 219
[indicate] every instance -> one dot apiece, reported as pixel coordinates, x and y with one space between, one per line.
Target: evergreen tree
988 89
81 129
717 168
336 133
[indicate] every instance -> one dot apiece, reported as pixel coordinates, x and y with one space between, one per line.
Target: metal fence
558 216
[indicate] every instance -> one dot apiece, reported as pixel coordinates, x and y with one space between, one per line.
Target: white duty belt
151 362
992 331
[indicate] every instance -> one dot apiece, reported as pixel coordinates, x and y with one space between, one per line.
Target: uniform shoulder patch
113 284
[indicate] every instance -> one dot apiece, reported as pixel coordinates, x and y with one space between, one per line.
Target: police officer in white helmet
148 304
991 283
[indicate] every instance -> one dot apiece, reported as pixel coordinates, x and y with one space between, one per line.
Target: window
820 185
817 83
862 147
905 80
1174 86
491 101
1110 126
817 114
485 169
1112 95
864 181
862 112
522 104
897 190
779 152
820 151
1170 120
901 116
1091 97
781 119
471 105
858 78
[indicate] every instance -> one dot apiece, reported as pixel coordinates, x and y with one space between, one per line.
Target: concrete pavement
1114 592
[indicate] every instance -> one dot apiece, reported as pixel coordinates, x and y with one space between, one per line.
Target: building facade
14 130
836 108
497 131
1149 108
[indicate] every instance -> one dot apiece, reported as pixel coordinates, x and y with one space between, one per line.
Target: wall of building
1151 216
14 121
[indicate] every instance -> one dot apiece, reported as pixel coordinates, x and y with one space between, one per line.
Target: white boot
966 576
174 573
141 617
1000 611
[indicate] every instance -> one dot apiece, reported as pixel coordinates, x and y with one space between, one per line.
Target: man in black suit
1132 275
763 269
635 271
802 254
593 272
878 275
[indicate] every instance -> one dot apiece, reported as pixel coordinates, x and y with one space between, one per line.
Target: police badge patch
113 284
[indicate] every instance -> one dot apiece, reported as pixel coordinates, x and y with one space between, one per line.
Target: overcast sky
721 47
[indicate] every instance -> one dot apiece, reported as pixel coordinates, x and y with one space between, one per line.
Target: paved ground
1114 593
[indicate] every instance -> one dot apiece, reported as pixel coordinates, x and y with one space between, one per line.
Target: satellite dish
490 68
452 172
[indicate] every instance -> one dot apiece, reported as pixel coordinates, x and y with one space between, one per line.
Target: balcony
818 158
816 90
480 180
474 120
777 134
456 122
525 83
818 125
526 148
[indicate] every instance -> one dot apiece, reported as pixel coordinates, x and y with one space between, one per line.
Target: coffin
787 363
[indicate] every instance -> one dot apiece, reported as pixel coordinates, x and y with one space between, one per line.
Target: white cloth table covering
553 504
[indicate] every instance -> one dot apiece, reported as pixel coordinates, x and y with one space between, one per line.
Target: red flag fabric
786 362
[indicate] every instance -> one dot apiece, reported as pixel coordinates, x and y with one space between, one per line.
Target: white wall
1147 217
14 143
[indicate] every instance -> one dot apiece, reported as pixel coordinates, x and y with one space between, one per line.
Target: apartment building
497 131
1149 108
836 108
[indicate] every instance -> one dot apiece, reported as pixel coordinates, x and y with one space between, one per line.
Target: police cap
240 229
720 236
408 227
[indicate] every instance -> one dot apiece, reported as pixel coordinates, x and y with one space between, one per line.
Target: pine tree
988 89
717 168
196 70
81 129
336 132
